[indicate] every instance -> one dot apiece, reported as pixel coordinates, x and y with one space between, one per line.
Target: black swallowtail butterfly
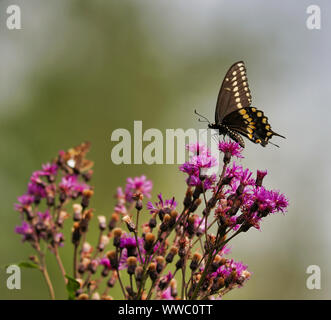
234 115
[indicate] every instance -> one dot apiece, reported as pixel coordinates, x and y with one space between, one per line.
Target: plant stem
75 260
44 271
59 261
203 276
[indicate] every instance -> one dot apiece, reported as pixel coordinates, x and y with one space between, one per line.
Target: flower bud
77 212
75 237
117 237
87 194
171 254
173 287
152 271
149 241
132 264
139 204
190 225
165 223
195 261
259 177
131 226
95 296
160 264
197 191
195 205
152 222
102 223
83 296
188 198
92 267
180 263
113 221
104 240
173 215
139 273
62 216
112 256
112 280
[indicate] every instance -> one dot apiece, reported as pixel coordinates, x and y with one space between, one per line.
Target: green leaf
72 286
28 264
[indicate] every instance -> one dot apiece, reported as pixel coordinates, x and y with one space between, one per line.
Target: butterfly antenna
274 144
278 135
206 120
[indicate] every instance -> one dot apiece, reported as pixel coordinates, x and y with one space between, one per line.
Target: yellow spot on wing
242 111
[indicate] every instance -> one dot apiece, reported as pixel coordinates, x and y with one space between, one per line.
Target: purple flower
197 149
232 271
44 217
128 242
24 201
105 262
259 177
168 276
25 229
59 239
166 294
71 186
261 174
37 190
280 202
168 205
198 165
138 185
246 178
208 181
128 245
234 171
231 147
203 160
270 201
49 169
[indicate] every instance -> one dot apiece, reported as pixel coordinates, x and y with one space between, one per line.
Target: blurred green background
80 69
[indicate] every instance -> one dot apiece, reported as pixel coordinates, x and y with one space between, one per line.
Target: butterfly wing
251 123
234 93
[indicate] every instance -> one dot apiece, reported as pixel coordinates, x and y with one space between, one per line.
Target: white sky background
289 76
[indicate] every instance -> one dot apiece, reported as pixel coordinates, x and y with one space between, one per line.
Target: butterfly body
225 130
234 115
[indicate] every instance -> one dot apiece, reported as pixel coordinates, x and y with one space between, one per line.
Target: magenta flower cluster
148 260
